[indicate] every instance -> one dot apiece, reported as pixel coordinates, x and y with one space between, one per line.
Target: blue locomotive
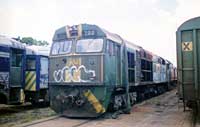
36 74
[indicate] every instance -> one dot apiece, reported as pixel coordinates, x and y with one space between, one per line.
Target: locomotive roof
190 24
63 33
38 50
119 39
8 42
100 32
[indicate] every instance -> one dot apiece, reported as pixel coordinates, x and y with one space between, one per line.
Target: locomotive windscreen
89 45
61 47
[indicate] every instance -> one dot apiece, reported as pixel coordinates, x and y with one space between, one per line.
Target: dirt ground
161 111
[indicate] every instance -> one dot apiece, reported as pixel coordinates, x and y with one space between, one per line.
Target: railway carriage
188 50
23 73
36 74
93 70
12 64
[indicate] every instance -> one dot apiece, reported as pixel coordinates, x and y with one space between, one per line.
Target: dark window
30 64
4 64
147 74
73 33
131 67
131 76
16 58
131 60
143 62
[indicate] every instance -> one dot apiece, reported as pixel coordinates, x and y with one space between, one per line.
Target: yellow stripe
94 101
28 75
30 81
33 88
22 96
33 80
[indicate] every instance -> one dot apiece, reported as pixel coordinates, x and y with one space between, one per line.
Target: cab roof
11 43
190 24
38 50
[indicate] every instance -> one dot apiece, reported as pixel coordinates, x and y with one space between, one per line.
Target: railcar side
12 55
188 39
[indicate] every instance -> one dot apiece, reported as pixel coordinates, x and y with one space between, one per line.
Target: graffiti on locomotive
72 71
4 78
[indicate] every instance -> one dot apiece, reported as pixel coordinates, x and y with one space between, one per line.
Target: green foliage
31 41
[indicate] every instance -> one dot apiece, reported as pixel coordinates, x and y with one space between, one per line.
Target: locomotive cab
76 75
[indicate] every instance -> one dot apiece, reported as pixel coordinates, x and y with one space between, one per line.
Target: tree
31 41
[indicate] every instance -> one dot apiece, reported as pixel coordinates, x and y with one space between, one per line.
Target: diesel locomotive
92 71
23 73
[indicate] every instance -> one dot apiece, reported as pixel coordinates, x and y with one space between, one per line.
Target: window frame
47 60
103 43
33 58
58 52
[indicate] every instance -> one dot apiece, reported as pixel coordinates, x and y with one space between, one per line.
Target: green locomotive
93 70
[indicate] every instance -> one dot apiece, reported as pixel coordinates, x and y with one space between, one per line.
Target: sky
151 24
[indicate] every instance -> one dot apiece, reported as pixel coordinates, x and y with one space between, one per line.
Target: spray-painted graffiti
4 78
72 74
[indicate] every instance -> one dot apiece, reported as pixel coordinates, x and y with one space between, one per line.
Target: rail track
163 110
71 122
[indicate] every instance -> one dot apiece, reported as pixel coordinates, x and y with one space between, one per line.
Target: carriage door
118 64
16 71
30 77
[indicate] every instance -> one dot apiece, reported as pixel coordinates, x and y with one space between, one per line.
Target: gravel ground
11 115
161 111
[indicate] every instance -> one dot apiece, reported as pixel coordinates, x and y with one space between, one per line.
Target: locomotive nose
77 102
74 98
80 102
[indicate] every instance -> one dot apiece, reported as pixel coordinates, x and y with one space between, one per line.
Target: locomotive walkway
161 111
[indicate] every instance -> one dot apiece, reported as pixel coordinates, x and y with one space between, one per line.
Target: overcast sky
149 23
